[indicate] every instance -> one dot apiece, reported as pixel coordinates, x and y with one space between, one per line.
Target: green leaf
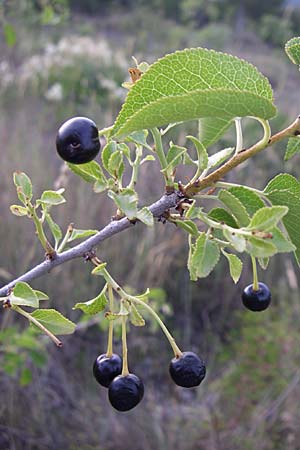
292 219
24 295
267 217
18 210
147 158
293 147
135 317
107 152
145 216
90 172
79 234
202 155
55 229
95 305
237 241
9 34
283 181
25 377
189 226
260 248
235 207
281 242
41 295
126 201
100 186
23 185
54 321
139 137
212 128
263 262
219 157
98 270
292 49
51 198
205 256
221 215
251 201
115 164
235 265
174 156
191 84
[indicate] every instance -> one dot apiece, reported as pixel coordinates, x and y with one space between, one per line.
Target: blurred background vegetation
62 58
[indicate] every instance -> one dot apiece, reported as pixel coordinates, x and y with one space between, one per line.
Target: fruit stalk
125 370
255 277
109 351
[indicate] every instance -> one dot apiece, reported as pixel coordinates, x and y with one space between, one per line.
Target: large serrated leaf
283 181
212 128
267 217
221 215
235 206
24 295
248 198
205 256
281 242
293 147
260 248
191 84
54 321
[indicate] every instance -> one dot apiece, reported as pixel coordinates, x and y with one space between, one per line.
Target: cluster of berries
126 391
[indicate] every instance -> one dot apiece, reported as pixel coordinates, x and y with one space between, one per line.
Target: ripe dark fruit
77 140
125 392
105 369
188 370
256 300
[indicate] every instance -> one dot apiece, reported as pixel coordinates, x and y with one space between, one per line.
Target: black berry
106 368
125 392
256 300
77 140
188 370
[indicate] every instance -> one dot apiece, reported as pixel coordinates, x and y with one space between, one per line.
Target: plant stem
38 324
239 135
109 351
125 370
65 239
108 278
255 278
40 230
160 153
136 166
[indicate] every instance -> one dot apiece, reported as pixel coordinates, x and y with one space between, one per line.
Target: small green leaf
292 49
79 234
235 206
24 295
95 305
115 163
19 210
9 34
54 321
41 295
212 128
205 256
267 217
281 242
189 226
107 152
260 248
283 181
235 265
221 215
202 155
145 216
139 137
237 241
126 201
55 229
174 156
251 201
98 270
23 185
51 198
90 172
135 317
293 147
25 377
147 158
100 186
219 157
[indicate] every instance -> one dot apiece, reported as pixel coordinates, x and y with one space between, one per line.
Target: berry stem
125 370
38 324
255 278
108 278
109 351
